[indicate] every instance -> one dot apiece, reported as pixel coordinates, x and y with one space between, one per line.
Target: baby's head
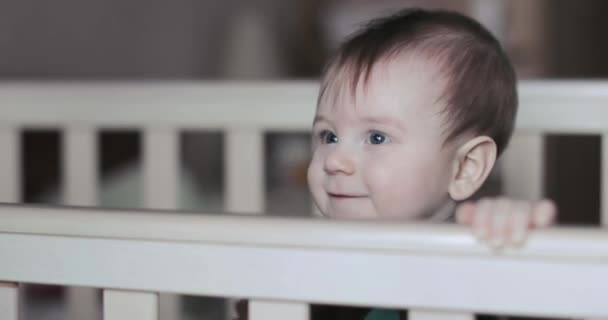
412 113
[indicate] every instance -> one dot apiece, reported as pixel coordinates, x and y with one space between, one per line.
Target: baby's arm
503 221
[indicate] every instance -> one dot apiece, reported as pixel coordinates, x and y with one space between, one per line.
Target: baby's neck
445 213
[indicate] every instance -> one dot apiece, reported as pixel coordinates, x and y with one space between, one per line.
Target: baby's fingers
465 213
497 222
524 216
478 216
481 217
520 222
503 222
543 214
500 224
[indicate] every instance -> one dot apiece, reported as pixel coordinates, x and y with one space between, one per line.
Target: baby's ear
473 163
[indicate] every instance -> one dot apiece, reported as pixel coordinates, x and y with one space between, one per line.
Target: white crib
281 264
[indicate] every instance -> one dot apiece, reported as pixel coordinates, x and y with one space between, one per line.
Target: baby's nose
339 161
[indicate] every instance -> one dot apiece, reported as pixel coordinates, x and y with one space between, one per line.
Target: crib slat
244 171
161 169
420 314
603 190
522 167
80 167
275 310
9 165
9 301
129 305
82 303
604 181
80 189
244 178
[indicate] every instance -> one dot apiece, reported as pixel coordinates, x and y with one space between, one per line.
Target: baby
412 113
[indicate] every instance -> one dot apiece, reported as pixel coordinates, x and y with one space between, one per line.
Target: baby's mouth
345 195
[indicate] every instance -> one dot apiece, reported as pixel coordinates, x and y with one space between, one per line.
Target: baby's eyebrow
384 121
320 118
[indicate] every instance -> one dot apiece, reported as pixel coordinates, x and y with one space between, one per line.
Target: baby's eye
328 137
377 138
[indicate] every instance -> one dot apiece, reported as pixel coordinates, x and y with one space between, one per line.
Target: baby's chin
363 210
369 215
349 215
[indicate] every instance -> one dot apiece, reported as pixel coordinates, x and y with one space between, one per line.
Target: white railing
244 112
282 264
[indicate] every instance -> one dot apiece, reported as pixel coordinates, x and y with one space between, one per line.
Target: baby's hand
502 221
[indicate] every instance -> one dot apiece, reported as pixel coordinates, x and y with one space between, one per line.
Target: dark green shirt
382 314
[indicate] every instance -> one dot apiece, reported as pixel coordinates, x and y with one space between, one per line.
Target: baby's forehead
409 78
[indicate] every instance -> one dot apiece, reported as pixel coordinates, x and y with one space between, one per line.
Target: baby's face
381 152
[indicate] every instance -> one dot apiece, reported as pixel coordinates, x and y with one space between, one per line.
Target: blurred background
154 40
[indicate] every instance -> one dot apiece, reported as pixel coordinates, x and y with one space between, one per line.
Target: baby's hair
480 96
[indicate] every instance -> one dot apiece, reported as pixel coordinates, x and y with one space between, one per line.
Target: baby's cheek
310 175
403 191
315 178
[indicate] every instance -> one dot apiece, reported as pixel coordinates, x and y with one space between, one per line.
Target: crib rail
283 106
244 112
573 106
292 262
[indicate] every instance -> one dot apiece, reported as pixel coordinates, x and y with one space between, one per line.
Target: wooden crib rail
284 106
561 272
574 106
244 112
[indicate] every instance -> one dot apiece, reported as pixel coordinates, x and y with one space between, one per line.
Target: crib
140 257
